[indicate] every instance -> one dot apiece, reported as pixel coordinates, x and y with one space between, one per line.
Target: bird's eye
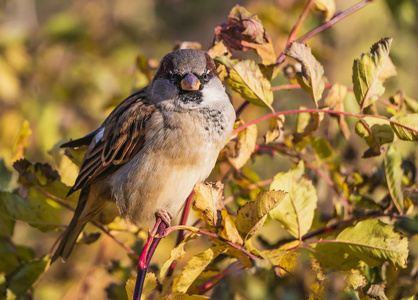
173 77
205 76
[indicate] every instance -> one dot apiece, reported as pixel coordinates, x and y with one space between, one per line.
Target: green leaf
306 124
405 102
195 266
9 259
24 276
5 176
208 202
366 71
42 175
406 134
393 171
34 210
150 283
295 213
323 150
335 101
246 78
311 78
253 214
243 147
327 7
370 241
382 133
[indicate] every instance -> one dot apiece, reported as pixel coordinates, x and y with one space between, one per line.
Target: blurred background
64 65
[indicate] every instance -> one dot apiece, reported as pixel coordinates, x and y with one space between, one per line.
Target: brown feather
123 138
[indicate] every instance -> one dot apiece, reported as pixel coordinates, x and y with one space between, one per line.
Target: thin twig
317 110
211 234
299 23
107 232
336 18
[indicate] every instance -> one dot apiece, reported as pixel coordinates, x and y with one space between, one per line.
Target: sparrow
154 146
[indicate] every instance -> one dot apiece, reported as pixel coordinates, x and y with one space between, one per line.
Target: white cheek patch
214 91
99 135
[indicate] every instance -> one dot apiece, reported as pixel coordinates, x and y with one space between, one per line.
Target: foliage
331 224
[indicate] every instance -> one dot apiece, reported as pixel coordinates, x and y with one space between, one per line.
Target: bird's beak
190 83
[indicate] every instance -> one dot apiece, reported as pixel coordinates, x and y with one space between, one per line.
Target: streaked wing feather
123 138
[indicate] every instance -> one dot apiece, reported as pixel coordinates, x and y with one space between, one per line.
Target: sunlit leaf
393 171
335 101
34 210
22 141
381 133
295 213
311 78
229 230
284 261
275 129
246 78
366 71
183 296
177 253
243 147
194 267
150 283
327 7
208 202
410 120
405 102
43 176
253 214
24 276
244 31
306 124
370 241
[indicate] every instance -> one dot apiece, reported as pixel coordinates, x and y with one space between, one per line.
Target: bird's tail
83 214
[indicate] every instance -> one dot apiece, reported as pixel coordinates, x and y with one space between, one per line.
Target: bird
153 148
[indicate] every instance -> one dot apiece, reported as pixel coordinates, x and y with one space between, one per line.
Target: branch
300 21
336 18
211 234
107 232
317 110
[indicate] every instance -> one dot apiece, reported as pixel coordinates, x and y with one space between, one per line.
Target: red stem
301 19
146 255
214 235
211 282
317 110
180 236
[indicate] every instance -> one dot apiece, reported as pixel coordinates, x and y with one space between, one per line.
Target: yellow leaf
22 141
251 216
208 202
296 211
327 7
150 283
311 77
194 267
244 146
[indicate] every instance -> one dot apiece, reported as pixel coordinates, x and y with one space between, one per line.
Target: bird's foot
165 215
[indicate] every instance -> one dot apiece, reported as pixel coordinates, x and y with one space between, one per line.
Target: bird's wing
116 141
84 141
